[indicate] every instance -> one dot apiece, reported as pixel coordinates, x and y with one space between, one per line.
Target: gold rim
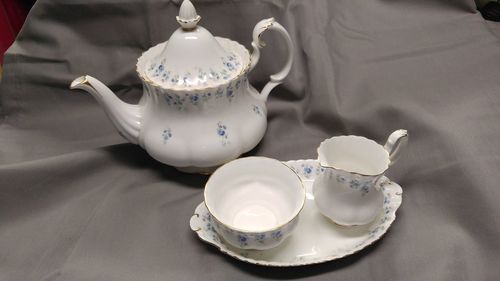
244 71
351 172
260 231
252 260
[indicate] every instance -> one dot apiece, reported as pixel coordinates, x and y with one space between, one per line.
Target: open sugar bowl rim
280 225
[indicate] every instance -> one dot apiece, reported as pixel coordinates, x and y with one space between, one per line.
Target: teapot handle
257 44
396 141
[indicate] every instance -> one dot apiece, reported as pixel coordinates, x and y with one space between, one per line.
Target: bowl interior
354 154
254 194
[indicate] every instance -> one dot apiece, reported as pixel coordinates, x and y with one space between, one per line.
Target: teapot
198 110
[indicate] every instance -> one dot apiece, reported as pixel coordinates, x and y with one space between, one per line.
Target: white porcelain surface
316 239
347 190
192 57
254 202
198 110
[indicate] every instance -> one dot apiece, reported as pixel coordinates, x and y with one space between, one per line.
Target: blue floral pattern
340 178
277 235
392 201
180 101
243 239
230 93
167 134
354 182
219 93
257 110
222 133
229 67
260 237
307 170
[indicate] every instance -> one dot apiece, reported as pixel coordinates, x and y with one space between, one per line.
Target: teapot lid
192 58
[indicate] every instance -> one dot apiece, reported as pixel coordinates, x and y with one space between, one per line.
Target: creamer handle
257 44
395 143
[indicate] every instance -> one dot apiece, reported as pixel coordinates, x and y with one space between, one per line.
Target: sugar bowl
254 202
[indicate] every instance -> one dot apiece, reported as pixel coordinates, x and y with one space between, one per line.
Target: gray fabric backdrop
78 203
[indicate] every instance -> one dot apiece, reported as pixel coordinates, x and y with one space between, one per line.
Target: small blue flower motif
214 75
243 240
216 239
260 237
175 79
167 134
307 170
224 74
277 235
257 110
219 93
165 76
194 98
152 66
364 189
387 200
375 230
176 100
202 75
168 99
229 63
161 68
340 178
354 184
222 132
230 93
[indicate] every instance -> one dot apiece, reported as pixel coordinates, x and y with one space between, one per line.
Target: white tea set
198 110
255 202
199 113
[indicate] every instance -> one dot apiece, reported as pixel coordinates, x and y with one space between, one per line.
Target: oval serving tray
316 239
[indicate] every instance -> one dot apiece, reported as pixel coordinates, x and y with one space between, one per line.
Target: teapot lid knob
187 18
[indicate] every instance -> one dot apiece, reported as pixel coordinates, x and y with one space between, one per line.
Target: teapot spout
126 117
